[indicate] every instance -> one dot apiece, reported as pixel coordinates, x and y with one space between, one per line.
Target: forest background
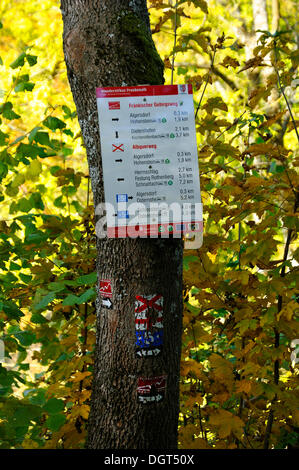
239 372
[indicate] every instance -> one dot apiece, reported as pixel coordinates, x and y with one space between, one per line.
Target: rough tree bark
108 43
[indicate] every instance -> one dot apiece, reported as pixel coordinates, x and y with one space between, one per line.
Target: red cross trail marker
148 302
118 147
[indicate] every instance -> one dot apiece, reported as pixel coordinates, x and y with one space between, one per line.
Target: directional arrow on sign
107 303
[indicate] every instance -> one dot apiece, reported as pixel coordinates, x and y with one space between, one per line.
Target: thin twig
283 93
277 334
207 81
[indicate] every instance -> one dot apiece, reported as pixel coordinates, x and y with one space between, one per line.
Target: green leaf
187 260
24 205
25 337
182 70
3 138
42 138
31 59
87 278
7 111
70 300
77 235
28 150
34 169
54 406
46 300
36 201
56 286
58 202
26 278
18 180
69 190
19 62
37 397
54 123
67 151
11 309
21 417
24 86
33 134
14 266
54 422
36 237
38 319
3 170
87 295
68 132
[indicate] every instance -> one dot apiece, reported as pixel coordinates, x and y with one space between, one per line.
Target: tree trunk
260 17
261 23
108 43
275 15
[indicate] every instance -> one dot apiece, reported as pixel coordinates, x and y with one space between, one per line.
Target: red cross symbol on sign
118 147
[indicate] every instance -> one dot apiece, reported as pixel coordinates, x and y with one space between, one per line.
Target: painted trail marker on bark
151 390
105 291
105 288
158 169
149 325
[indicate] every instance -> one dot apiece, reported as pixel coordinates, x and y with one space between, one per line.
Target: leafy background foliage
239 384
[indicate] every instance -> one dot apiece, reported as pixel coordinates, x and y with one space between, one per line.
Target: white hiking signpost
150 162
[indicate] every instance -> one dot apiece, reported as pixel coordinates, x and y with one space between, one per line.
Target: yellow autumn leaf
78 376
193 400
190 366
243 386
84 411
295 416
84 395
229 62
244 276
288 311
223 369
187 435
226 423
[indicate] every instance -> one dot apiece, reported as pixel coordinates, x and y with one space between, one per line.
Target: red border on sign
133 231
140 90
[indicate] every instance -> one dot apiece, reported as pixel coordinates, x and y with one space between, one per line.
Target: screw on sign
151 390
149 325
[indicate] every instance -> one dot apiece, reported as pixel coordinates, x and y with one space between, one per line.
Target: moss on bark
146 62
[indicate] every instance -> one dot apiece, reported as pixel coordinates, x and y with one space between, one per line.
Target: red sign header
143 90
